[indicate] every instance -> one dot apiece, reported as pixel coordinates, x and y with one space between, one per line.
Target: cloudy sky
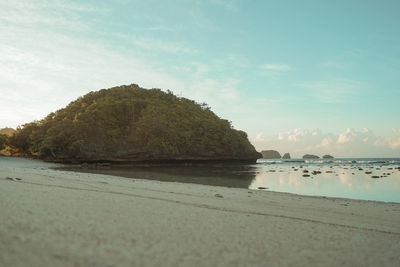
298 76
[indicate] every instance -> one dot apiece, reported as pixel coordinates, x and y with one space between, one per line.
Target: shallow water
15 162
345 178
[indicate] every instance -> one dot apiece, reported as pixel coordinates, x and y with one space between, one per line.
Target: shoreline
335 181
146 174
60 218
233 187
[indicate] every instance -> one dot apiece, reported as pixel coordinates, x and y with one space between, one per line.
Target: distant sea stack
133 124
286 156
270 154
327 157
309 156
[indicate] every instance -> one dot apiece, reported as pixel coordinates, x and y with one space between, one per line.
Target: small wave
376 162
350 161
343 161
314 161
265 161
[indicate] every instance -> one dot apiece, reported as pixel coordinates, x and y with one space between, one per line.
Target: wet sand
60 218
366 181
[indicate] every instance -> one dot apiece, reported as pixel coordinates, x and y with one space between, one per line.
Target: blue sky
297 76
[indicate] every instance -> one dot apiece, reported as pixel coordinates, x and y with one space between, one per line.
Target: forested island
130 124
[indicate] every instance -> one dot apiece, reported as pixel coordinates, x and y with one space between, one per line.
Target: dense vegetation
3 139
7 131
4 133
129 123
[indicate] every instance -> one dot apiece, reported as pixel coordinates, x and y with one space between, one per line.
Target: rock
327 157
306 175
218 195
316 172
305 171
286 156
309 156
260 187
374 176
270 154
368 172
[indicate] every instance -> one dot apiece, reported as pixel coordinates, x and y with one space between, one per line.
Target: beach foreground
59 218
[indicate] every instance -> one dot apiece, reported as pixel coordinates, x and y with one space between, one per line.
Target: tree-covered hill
129 123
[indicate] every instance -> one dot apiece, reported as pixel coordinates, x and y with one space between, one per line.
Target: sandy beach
59 218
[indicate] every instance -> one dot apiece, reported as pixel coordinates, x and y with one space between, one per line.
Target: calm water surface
346 178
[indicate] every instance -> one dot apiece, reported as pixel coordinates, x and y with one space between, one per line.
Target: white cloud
327 143
350 143
392 141
347 136
47 60
395 143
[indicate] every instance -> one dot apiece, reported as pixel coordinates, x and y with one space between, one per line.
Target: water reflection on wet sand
333 181
227 175
344 181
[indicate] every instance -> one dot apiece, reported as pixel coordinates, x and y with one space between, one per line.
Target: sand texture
58 218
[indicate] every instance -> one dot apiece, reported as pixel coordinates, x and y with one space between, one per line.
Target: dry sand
56 218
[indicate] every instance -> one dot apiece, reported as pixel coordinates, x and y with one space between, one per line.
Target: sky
298 76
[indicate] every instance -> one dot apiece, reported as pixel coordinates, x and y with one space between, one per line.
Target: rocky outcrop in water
327 157
270 154
309 156
286 156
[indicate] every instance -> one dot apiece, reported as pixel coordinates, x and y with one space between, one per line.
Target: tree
3 140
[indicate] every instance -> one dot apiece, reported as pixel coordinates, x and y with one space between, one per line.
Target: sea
375 179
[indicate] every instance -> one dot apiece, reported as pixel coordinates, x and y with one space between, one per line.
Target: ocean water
359 178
